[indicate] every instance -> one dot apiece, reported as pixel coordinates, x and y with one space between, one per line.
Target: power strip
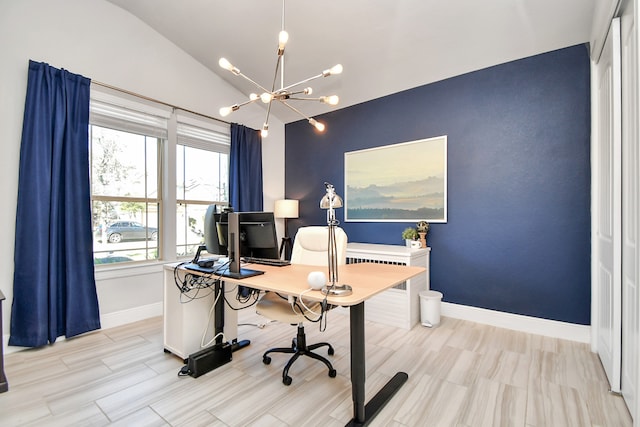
208 359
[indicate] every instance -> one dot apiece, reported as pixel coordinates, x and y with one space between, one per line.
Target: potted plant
409 234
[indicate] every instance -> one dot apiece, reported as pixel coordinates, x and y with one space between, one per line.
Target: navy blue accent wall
518 233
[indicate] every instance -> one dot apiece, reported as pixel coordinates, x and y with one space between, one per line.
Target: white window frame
204 134
180 127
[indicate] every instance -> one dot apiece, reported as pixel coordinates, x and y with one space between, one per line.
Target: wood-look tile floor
460 374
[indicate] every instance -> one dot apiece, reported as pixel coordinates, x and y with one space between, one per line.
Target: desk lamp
331 201
286 209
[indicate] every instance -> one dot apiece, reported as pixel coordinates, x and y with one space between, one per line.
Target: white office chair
310 247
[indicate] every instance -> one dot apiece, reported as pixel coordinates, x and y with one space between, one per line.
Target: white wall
103 42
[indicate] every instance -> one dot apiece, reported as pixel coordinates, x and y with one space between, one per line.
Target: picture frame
403 182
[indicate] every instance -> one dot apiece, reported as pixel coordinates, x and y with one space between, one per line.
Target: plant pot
423 239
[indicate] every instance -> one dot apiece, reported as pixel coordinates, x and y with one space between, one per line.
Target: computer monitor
241 234
215 230
258 235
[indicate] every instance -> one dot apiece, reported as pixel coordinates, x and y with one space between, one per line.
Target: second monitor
241 234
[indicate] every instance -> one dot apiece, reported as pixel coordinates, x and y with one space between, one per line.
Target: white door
607 197
630 182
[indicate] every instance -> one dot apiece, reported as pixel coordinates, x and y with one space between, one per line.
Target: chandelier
285 93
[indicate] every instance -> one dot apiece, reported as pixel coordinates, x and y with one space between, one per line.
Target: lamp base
337 290
286 246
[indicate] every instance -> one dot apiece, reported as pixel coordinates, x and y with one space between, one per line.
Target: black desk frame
363 414
218 317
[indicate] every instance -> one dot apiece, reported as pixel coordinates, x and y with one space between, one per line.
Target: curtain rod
128 92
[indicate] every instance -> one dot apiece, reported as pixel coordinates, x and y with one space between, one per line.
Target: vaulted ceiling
385 46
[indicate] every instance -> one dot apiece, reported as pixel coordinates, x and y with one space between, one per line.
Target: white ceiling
385 46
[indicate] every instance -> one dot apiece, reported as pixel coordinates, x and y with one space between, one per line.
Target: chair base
299 348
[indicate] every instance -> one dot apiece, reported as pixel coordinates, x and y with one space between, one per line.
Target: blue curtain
245 169
54 290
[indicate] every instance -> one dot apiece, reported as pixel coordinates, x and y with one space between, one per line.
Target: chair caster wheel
332 373
266 360
330 351
286 380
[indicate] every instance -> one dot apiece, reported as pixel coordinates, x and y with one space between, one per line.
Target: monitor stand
241 274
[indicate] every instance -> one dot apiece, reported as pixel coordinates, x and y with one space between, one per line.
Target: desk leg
219 319
363 414
358 369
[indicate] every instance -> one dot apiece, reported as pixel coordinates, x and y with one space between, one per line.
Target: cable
176 277
255 294
193 287
206 329
304 305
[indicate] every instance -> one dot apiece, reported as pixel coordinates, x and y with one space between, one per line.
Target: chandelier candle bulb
225 111
317 124
283 37
331 100
266 97
224 63
336 69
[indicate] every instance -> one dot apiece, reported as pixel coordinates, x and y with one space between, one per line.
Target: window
202 178
126 197
133 146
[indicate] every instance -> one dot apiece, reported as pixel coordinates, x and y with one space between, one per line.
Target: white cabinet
398 306
189 315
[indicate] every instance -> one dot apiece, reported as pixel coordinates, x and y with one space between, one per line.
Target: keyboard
267 261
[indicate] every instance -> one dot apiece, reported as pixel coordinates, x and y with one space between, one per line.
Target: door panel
607 193
630 179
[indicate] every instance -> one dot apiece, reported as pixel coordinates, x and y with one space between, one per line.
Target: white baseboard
532 325
122 317
517 322
110 320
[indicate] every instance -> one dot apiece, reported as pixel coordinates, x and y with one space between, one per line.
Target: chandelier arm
242 104
256 84
266 120
318 99
275 75
301 82
297 92
294 109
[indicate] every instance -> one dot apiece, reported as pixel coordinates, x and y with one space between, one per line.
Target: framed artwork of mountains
402 182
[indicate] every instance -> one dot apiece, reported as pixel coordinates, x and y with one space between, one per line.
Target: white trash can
430 308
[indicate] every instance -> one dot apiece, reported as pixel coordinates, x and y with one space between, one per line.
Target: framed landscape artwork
403 182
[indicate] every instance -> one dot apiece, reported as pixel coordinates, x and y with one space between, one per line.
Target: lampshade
286 208
325 203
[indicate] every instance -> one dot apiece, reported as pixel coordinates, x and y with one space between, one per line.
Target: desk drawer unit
398 306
